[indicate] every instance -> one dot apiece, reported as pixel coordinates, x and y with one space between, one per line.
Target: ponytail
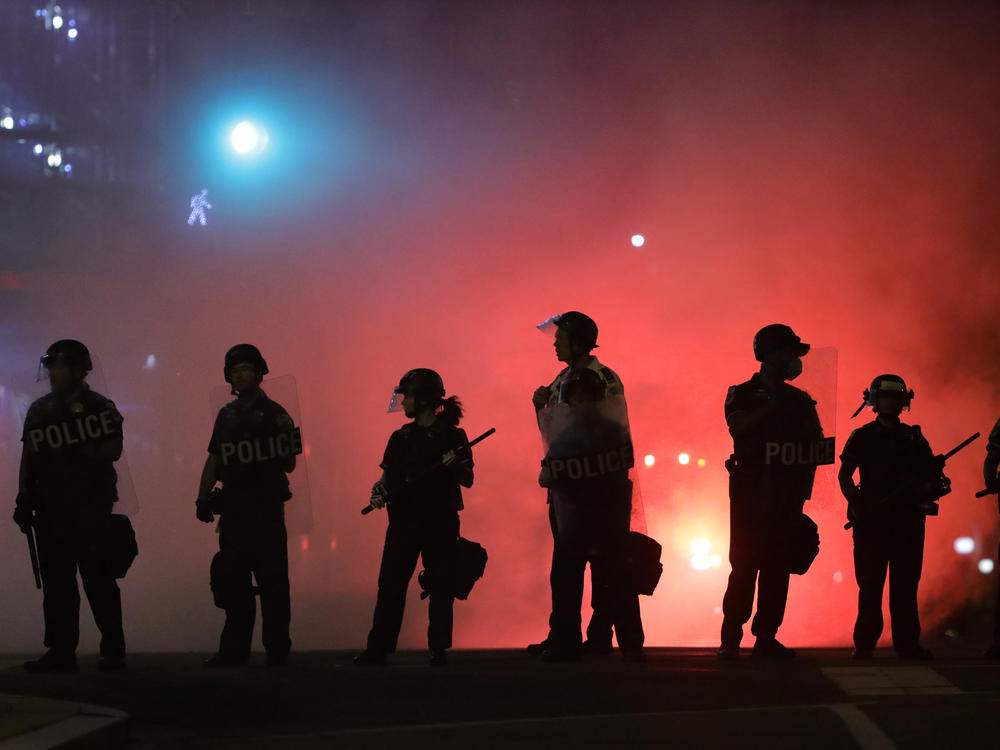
450 411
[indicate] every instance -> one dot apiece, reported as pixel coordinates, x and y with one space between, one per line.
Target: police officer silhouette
252 450
768 486
888 532
575 338
425 465
67 488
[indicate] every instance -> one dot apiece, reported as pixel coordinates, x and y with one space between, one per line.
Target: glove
993 484
852 513
379 494
942 486
541 396
456 458
203 511
23 516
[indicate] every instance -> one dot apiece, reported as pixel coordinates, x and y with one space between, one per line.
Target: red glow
844 185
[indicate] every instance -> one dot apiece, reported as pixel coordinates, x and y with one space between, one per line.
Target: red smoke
832 167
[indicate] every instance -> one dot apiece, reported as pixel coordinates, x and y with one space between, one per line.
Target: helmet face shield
50 360
43 368
69 352
396 401
890 387
549 326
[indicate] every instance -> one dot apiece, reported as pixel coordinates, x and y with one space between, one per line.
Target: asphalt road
681 698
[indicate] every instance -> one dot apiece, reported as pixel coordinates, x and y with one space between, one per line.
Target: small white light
986 566
57 22
38 149
650 459
964 545
7 123
55 159
150 361
73 33
684 459
700 562
638 240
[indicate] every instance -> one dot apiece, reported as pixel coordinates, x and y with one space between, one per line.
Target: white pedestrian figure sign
199 205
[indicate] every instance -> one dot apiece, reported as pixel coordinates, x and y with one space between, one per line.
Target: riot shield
589 453
284 391
819 380
128 499
23 386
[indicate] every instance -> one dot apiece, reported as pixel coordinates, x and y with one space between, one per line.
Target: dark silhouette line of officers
68 487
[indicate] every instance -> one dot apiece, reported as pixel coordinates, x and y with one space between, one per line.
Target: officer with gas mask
575 339
586 469
769 421
253 448
426 463
901 479
67 488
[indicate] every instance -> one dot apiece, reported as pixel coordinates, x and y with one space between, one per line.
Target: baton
369 508
33 551
964 444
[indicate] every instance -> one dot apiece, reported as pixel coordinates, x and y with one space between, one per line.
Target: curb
28 723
